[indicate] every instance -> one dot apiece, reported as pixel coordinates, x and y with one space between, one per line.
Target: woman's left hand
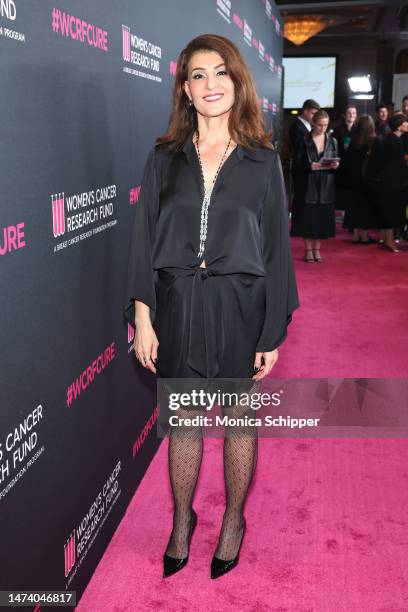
334 164
269 360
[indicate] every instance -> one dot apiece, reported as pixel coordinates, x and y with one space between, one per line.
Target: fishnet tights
185 453
240 459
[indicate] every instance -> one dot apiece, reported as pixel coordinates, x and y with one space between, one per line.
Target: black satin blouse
247 228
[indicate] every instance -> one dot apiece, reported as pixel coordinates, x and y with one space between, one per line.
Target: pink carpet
327 519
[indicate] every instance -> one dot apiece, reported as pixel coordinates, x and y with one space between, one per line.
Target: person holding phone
313 216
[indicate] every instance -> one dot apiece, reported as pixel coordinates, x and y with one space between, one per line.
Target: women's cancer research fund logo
8 10
82 537
58 214
143 54
93 210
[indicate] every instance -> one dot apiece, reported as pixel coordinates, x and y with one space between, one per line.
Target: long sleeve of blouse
282 295
140 283
247 229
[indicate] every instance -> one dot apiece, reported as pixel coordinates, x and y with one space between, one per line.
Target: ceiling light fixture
299 29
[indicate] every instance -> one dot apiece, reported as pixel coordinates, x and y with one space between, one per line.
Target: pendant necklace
207 197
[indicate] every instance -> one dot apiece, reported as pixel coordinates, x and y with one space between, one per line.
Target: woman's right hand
315 165
145 345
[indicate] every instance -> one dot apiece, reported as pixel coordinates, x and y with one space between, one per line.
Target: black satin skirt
207 323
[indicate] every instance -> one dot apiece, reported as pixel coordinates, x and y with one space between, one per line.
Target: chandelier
300 29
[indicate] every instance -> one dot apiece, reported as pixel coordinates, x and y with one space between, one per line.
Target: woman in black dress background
211 285
362 189
343 133
394 181
313 215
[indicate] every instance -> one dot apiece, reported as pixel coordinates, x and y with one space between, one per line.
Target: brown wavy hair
364 133
246 123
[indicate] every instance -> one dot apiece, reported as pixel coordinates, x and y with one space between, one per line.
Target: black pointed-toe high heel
171 565
219 567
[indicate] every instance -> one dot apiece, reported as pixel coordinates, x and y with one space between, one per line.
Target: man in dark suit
297 132
382 128
301 126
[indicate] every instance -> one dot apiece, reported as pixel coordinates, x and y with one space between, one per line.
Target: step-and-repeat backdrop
85 87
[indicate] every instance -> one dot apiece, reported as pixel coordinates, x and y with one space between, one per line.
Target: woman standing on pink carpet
313 215
211 285
394 182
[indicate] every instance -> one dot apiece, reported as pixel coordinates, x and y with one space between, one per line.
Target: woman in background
394 181
360 212
313 215
343 133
